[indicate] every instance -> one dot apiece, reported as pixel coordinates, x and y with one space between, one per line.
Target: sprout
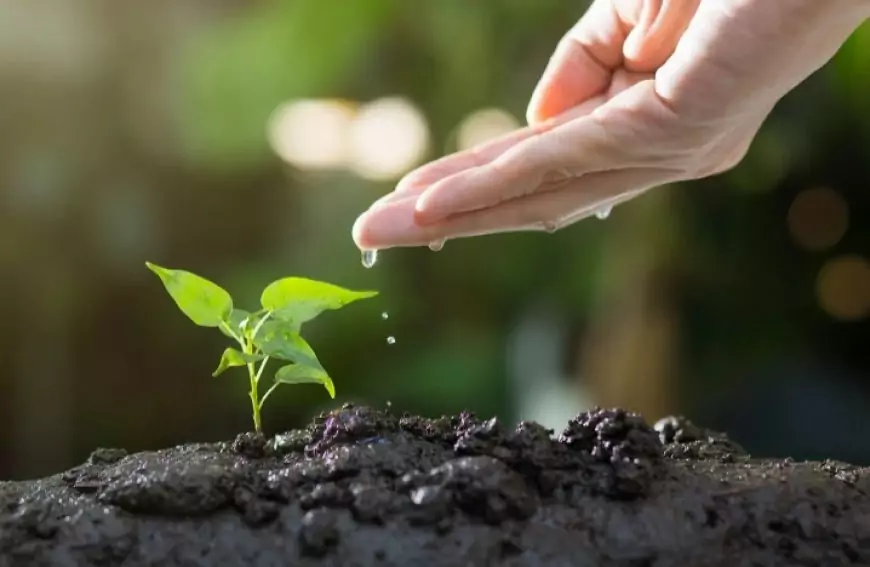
272 332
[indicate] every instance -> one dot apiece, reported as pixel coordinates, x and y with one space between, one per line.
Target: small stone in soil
106 456
677 429
431 505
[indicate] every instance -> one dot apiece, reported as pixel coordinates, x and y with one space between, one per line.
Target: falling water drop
369 258
391 340
385 315
603 212
436 245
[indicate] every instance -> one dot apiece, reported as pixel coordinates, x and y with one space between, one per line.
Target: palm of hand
632 99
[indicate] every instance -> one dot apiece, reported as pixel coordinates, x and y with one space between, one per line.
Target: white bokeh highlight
388 137
483 126
312 134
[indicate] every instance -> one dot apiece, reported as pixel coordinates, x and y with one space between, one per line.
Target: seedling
272 332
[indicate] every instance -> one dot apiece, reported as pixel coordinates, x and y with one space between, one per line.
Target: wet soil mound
363 487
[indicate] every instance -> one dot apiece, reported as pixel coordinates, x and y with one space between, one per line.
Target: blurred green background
240 139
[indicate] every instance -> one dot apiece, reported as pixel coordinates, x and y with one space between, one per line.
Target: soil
365 487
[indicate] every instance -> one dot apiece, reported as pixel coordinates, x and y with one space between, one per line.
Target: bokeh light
388 137
484 125
843 287
818 218
312 134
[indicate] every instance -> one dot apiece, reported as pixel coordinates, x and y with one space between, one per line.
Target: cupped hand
640 93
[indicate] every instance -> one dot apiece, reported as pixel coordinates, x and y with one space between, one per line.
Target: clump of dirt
361 486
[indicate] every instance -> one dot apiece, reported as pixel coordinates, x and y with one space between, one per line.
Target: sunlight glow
388 138
484 125
312 134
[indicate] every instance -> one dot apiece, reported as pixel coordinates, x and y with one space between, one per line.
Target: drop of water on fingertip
436 245
551 227
391 340
369 258
603 212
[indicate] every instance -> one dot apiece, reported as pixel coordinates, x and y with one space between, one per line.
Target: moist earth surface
365 487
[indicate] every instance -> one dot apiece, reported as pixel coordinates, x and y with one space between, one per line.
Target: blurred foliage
159 151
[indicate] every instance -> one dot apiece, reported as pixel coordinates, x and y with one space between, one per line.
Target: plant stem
255 406
253 375
259 324
268 392
232 333
260 370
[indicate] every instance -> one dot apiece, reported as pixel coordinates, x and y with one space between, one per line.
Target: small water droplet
436 245
385 315
551 226
391 340
369 258
603 212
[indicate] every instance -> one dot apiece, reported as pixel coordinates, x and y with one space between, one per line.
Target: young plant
272 332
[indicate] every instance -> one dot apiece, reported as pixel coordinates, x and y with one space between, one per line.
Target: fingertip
428 209
387 226
534 114
359 232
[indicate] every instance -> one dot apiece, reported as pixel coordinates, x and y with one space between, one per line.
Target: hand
640 93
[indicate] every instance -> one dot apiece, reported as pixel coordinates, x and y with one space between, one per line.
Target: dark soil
363 487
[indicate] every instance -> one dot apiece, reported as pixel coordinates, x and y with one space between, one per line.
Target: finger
394 225
422 178
581 65
571 150
658 28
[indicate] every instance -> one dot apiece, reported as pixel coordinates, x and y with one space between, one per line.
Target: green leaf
204 302
280 339
301 299
234 321
301 374
232 358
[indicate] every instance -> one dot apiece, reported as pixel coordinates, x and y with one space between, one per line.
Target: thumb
582 65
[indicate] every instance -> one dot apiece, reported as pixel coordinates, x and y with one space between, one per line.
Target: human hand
640 93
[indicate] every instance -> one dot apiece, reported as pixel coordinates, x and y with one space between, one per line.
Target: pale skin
638 94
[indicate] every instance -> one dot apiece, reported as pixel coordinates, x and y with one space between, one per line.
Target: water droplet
391 340
551 226
603 212
436 245
385 315
369 258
